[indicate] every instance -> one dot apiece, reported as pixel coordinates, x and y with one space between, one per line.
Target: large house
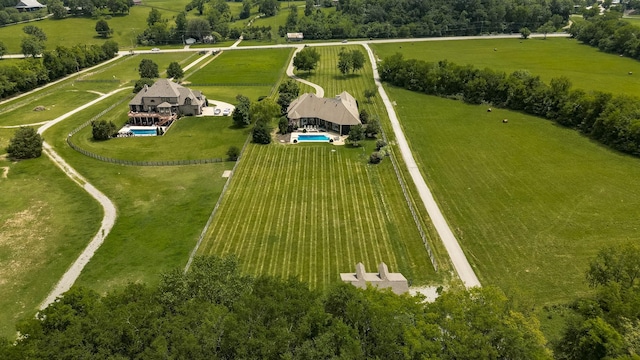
29 5
334 114
163 102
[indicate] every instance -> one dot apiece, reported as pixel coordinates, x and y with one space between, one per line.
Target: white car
216 112
226 112
155 49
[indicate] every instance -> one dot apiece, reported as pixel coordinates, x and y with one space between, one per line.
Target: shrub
261 133
25 144
376 157
103 130
380 144
233 153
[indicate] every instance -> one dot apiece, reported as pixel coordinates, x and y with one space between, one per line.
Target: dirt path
318 88
108 220
458 258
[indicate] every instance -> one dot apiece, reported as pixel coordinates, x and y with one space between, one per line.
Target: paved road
318 88
459 260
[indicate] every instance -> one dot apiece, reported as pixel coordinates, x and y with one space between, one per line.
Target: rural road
109 209
459 260
318 88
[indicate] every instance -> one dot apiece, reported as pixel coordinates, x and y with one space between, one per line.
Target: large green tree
307 59
154 17
103 29
175 70
242 113
26 143
35 31
103 130
148 69
57 9
31 46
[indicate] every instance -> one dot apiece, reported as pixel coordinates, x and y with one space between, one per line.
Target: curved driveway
318 88
459 260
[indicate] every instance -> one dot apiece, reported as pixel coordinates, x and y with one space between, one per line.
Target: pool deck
337 139
126 130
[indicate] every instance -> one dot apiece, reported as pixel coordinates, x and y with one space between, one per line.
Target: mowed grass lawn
585 66
126 70
45 222
189 138
530 202
314 211
252 73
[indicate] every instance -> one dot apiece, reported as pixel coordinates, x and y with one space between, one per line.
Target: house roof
342 109
164 88
28 4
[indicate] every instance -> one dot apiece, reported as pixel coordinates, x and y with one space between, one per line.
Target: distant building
29 5
163 102
334 114
383 279
295 36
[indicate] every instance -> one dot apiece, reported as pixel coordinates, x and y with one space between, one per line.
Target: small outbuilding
383 279
295 36
29 5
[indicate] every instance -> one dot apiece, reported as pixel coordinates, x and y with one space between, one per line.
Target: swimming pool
144 132
307 137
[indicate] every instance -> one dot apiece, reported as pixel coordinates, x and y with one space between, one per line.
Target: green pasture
45 222
244 67
189 138
126 69
315 211
56 103
81 30
228 93
530 202
585 66
161 210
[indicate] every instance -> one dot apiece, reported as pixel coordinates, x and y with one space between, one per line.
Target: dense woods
31 73
412 18
216 312
613 120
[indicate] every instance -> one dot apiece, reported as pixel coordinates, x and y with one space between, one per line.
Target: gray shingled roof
342 110
166 88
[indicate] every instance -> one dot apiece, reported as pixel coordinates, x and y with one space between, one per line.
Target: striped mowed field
313 211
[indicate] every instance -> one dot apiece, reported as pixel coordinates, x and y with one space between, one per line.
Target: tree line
610 34
214 311
613 120
30 73
410 18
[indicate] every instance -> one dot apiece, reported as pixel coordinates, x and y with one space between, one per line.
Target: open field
45 222
81 30
189 138
530 202
56 103
244 67
161 210
585 66
314 211
252 73
126 70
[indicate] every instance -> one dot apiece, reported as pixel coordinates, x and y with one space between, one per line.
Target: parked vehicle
226 112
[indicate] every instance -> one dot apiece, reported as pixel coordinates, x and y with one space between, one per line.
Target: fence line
129 162
412 209
215 208
98 81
